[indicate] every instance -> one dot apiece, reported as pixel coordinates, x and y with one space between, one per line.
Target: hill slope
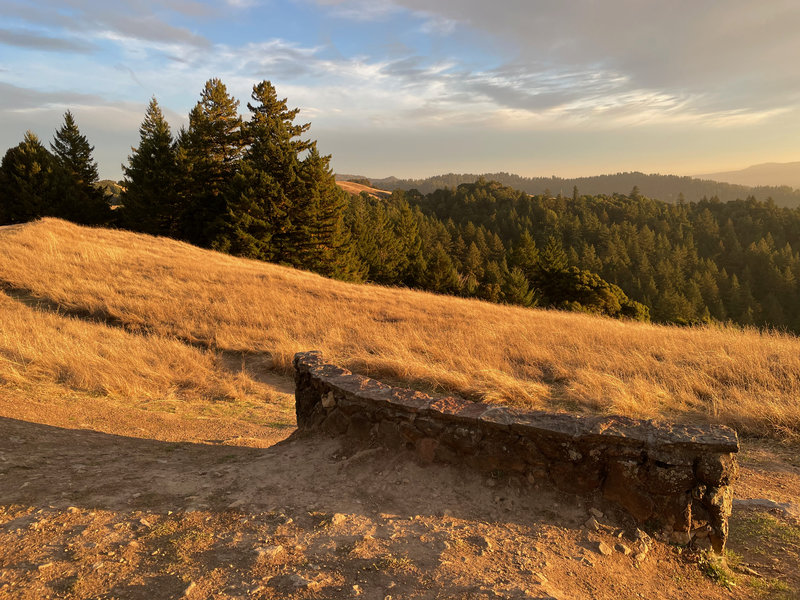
777 174
142 393
351 187
533 358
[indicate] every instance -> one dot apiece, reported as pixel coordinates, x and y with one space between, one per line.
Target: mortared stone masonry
676 480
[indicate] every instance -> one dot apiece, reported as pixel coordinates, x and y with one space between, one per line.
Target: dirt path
85 514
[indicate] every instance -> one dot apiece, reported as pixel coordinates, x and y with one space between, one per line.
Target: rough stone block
390 436
717 469
336 423
426 449
622 486
667 479
575 478
360 426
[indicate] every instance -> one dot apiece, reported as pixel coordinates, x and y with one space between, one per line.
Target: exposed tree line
257 188
669 188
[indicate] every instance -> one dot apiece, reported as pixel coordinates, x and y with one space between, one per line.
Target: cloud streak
25 38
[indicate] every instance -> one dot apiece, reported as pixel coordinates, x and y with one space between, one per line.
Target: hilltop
163 371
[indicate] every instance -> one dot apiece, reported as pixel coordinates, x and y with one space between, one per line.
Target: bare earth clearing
147 443
92 514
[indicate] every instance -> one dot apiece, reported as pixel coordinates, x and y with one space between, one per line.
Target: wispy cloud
361 10
26 38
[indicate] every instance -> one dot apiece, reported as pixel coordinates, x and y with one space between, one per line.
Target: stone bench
675 480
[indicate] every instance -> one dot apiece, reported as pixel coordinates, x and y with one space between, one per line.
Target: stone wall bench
675 480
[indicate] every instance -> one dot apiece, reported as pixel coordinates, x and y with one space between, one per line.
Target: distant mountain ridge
763 174
668 188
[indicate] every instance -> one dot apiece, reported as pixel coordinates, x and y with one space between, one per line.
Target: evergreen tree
553 257
441 275
377 243
80 200
318 236
525 255
516 288
209 155
492 283
27 179
150 198
269 185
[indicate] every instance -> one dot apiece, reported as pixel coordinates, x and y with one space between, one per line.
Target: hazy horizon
398 87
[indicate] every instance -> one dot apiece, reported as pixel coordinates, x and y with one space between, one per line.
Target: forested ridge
733 261
256 187
669 188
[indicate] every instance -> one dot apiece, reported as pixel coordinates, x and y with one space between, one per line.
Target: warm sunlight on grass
175 293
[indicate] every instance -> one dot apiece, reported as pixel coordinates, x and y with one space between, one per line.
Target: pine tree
441 276
377 243
407 225
318 236
80 199
553 258
269 184
27 178
209 153
150 200
491 285
516 288
525 255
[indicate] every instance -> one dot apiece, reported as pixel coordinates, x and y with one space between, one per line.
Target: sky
415 88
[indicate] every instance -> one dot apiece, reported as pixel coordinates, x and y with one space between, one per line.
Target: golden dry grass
176 293
357 188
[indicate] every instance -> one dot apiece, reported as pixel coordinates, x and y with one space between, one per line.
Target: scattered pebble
604 549
592 524
620 547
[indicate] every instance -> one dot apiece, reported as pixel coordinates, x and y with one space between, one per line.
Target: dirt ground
118 503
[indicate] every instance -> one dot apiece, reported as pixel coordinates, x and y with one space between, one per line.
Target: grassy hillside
351 187
172 321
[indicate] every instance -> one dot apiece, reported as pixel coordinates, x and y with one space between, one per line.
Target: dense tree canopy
688 263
